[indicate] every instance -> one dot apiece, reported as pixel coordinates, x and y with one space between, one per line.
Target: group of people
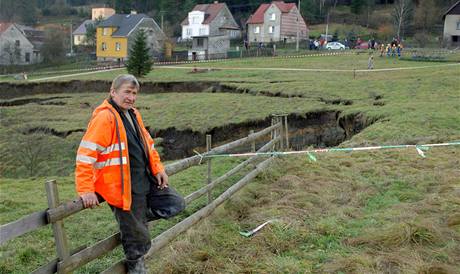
392 49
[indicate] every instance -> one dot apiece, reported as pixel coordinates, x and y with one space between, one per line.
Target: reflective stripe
86 159
91 145
101 149
153 146
110 162
113 147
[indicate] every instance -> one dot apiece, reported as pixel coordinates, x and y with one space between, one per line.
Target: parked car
335 45
363 45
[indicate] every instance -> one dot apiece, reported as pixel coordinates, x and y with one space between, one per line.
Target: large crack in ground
320 129
10 90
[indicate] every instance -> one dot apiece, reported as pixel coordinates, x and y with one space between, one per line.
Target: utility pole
71 39
298 28
162 14
327 26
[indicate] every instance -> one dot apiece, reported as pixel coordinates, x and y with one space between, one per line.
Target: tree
139 62
53 49
426 15
90 35
402 15
12 52
357 6
123 6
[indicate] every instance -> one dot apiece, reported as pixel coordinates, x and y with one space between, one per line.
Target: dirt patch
40 101
51 131
344 102
10 90
321 129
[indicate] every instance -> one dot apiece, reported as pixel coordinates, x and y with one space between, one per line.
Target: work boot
136 266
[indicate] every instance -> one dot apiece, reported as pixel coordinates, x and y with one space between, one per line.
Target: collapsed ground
372 212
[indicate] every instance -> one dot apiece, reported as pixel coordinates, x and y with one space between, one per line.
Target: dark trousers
156 204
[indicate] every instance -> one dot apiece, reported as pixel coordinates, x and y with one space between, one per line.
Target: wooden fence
68 260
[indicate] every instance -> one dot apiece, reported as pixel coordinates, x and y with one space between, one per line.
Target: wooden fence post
286 131
60 238
273 132
253 143
209 179
280 131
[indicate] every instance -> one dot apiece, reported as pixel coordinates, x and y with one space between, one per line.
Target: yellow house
116 34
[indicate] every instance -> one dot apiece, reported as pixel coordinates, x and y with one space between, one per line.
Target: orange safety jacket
102 164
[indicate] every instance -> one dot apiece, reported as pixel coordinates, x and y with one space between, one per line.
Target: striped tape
419 149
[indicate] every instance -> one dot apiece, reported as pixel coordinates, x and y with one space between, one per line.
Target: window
104 46
271 29
202 31
17 43
196 20
458 25
28 57
200 42
256 29
273 16
78 38
117 46
105 31
189 31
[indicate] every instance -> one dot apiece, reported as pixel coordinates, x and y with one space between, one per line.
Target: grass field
360 212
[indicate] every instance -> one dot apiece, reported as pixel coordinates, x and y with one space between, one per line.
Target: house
277 21
20 45
210 20
101 13
116 35
79 35
452 25
211 27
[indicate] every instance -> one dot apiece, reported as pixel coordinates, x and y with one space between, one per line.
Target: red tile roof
284 7
210 10
4 26
258 16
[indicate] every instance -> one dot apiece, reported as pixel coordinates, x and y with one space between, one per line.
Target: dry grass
361 213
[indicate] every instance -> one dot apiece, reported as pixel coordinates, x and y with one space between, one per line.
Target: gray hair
123 78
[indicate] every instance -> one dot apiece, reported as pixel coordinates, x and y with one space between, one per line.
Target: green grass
347 213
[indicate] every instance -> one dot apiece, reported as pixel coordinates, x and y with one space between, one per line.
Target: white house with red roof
277 21
210 27
210 20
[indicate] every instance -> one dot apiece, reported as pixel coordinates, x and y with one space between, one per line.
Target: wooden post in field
275 132
286 131
281 131
60 238
253 143
209 179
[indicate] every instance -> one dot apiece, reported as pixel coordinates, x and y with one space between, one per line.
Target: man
117 162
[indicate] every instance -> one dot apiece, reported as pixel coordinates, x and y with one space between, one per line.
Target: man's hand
89 200
162 179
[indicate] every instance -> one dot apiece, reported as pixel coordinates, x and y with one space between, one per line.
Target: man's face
124 96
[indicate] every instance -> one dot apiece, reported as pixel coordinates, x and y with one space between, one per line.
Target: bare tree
402 14
12 53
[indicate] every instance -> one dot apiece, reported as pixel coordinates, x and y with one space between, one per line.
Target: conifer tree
139 62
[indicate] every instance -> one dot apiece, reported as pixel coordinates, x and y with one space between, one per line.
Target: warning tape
310 153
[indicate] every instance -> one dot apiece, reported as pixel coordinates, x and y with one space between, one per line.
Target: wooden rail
69 260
